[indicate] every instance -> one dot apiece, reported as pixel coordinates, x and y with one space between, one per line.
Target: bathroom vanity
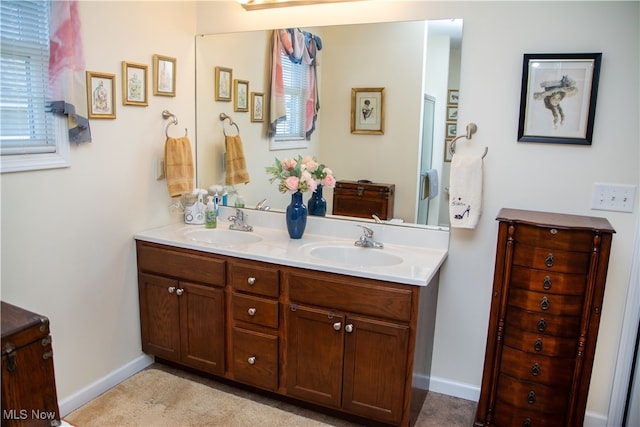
278 315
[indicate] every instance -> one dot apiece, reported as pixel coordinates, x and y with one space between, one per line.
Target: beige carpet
156 398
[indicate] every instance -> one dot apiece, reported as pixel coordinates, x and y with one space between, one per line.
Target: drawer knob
526 422
179 292
349 328
251 311
171 289
47 355
544 303
251 281
546 283
535 370
542 325
538 345
337 326
251 360
531 397
548 261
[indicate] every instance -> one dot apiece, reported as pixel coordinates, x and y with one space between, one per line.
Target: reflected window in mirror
295 85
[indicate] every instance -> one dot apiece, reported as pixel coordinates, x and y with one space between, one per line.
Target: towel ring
174 121
471 129
224 117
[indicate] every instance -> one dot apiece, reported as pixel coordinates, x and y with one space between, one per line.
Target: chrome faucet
239 222
262 206
366 240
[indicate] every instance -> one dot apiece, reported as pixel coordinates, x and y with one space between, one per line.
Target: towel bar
471 129
224 117
174 121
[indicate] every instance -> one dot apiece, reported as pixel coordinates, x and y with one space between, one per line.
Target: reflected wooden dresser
546 304
363 199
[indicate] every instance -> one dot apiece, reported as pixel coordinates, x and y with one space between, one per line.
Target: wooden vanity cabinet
546 305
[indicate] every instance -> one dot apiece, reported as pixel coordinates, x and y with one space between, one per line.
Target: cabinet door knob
549 260
171 289
349 328
544 303
251 281
252 311
251 360
179 291
337 326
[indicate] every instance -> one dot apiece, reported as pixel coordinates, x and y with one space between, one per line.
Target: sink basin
354 255
221 236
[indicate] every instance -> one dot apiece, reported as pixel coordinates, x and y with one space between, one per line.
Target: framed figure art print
164 75
223 80
558 98
367 110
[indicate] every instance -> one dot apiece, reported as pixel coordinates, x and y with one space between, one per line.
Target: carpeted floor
162 396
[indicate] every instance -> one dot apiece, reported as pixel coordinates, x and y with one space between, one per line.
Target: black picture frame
558 97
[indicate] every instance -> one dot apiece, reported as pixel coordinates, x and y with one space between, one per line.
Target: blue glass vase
296 216
317 203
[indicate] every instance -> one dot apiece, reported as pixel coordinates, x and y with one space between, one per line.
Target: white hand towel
465 190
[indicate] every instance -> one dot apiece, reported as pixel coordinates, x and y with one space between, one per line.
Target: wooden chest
363 199
546 303
28 383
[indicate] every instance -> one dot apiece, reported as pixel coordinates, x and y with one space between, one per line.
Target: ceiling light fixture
268 4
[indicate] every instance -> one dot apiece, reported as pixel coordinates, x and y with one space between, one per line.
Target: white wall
79 222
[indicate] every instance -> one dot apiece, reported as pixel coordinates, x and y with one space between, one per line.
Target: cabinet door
159 316
202 327
315 352
375 368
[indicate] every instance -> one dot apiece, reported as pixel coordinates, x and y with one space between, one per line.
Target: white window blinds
294 78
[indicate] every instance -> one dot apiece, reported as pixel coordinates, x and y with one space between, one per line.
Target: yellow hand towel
178 166
235 165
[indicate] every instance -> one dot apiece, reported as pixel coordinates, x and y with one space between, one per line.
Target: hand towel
430 184
178 166
465 190
235 164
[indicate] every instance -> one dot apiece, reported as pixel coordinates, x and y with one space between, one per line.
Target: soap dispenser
210 214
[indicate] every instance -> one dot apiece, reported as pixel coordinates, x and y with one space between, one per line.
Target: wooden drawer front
256 310
532 396
345 293
555 238
255 278
539 344
568 305
551 260
550 282
558 326
509 416
183 265
255 358
536 367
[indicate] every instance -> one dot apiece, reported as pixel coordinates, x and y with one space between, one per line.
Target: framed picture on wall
367 110
240 95
134 84
257 107
101 90
452 129
452 112
453 96
164 75
223 79
558 97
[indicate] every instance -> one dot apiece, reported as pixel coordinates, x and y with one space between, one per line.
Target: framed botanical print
164 75
257 107
240 95
134 84
223 79
367 111
101 90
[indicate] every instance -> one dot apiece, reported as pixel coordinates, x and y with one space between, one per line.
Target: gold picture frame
164 75
257 107
453 96
223 79
101 91
134 84
367 110
240 95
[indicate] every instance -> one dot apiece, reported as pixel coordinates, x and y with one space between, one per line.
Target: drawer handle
531 398
47 355
535 370
251 360
544 303
251 311
526 422
549 260
337 326
251 281
546 283
542 325
538 345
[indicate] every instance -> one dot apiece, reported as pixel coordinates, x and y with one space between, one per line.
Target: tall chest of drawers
546 304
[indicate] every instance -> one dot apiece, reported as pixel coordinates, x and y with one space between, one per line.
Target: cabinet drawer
184 265
558 326
350 294
546 281
509 416
555 238
255 277
256 310
255 358
551 260
532 396
568 305
536 367
539 344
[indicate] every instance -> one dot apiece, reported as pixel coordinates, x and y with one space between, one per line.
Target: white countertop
423 250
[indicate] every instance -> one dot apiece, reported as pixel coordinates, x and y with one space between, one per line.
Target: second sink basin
221 236
354 255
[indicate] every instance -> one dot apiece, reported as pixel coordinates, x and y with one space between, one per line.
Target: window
31 136
290 133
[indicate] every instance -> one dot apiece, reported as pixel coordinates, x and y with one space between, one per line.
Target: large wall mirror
418 65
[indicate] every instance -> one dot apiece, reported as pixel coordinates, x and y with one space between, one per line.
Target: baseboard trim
98 387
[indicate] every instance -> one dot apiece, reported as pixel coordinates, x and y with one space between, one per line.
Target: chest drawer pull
546 283
251 360
548 261
537 346
544 303
251 311
531 397
542 325
535 370
251 281
526 422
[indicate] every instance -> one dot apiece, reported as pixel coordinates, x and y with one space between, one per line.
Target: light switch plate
159 169
613 197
